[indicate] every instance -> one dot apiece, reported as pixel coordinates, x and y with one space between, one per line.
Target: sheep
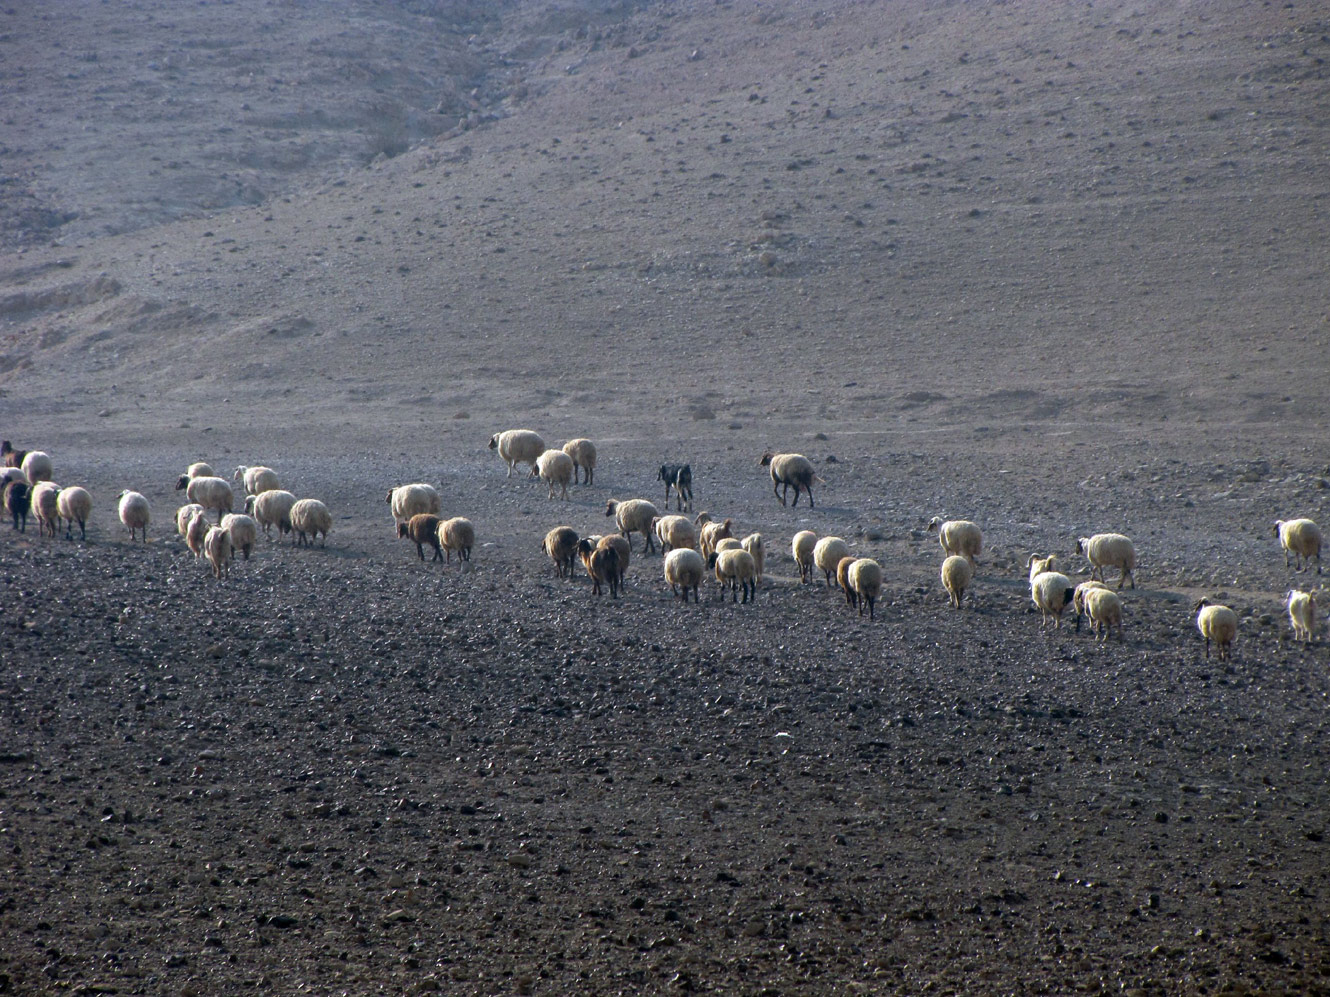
310 516
135 513
1104 608
18 502
271 508
634 516
684 568
556 468
1219 624
244 532
1038 565
1078 598
196 532
755 545
211 493
623 548
423 529
802 549
790 469
217 545
1051 593
1302 614
45 506
457 536
185 513
674 532
196 470
1299 537
843 579
735 570
712 534
74 504
1109 550
827 553
602 567
12 474
12 457
957 573
680 478
36 467
560 544
257 479
958 536
406 501
866 583
583 453
518 446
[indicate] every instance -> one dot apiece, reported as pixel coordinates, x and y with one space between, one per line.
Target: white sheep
8 474
634 516
417 499
1078 598
866 583
272 508
46 506
755 545
457 536
735 570
310 517
37 467
244 532
1104 609
827 554
518 446
1051 592
211 493
728 543
196 532
713 533
1038 565
184 514
790 469
957 573
74 504
135 513
675 531
560 544
958 536
1219 624
217 545
1302 614
1299 537
801 547
257 479
556 468
1109 550
583 453
684 568
196 470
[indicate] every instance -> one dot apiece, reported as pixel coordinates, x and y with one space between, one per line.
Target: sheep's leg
775 490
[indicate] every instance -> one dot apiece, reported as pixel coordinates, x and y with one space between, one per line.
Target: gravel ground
347 771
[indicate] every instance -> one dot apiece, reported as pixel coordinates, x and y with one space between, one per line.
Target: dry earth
1055 268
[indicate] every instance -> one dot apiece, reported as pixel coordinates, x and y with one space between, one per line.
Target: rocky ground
1057 269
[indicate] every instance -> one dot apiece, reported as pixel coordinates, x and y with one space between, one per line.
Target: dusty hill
865 213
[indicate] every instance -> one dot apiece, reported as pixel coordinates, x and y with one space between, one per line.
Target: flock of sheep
690 547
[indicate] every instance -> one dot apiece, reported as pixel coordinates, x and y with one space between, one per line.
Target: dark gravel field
346 771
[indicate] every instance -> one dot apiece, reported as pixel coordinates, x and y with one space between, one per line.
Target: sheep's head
766 459
1081 544
1279 525
182 482
401 530
610 506
934 524
494 442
